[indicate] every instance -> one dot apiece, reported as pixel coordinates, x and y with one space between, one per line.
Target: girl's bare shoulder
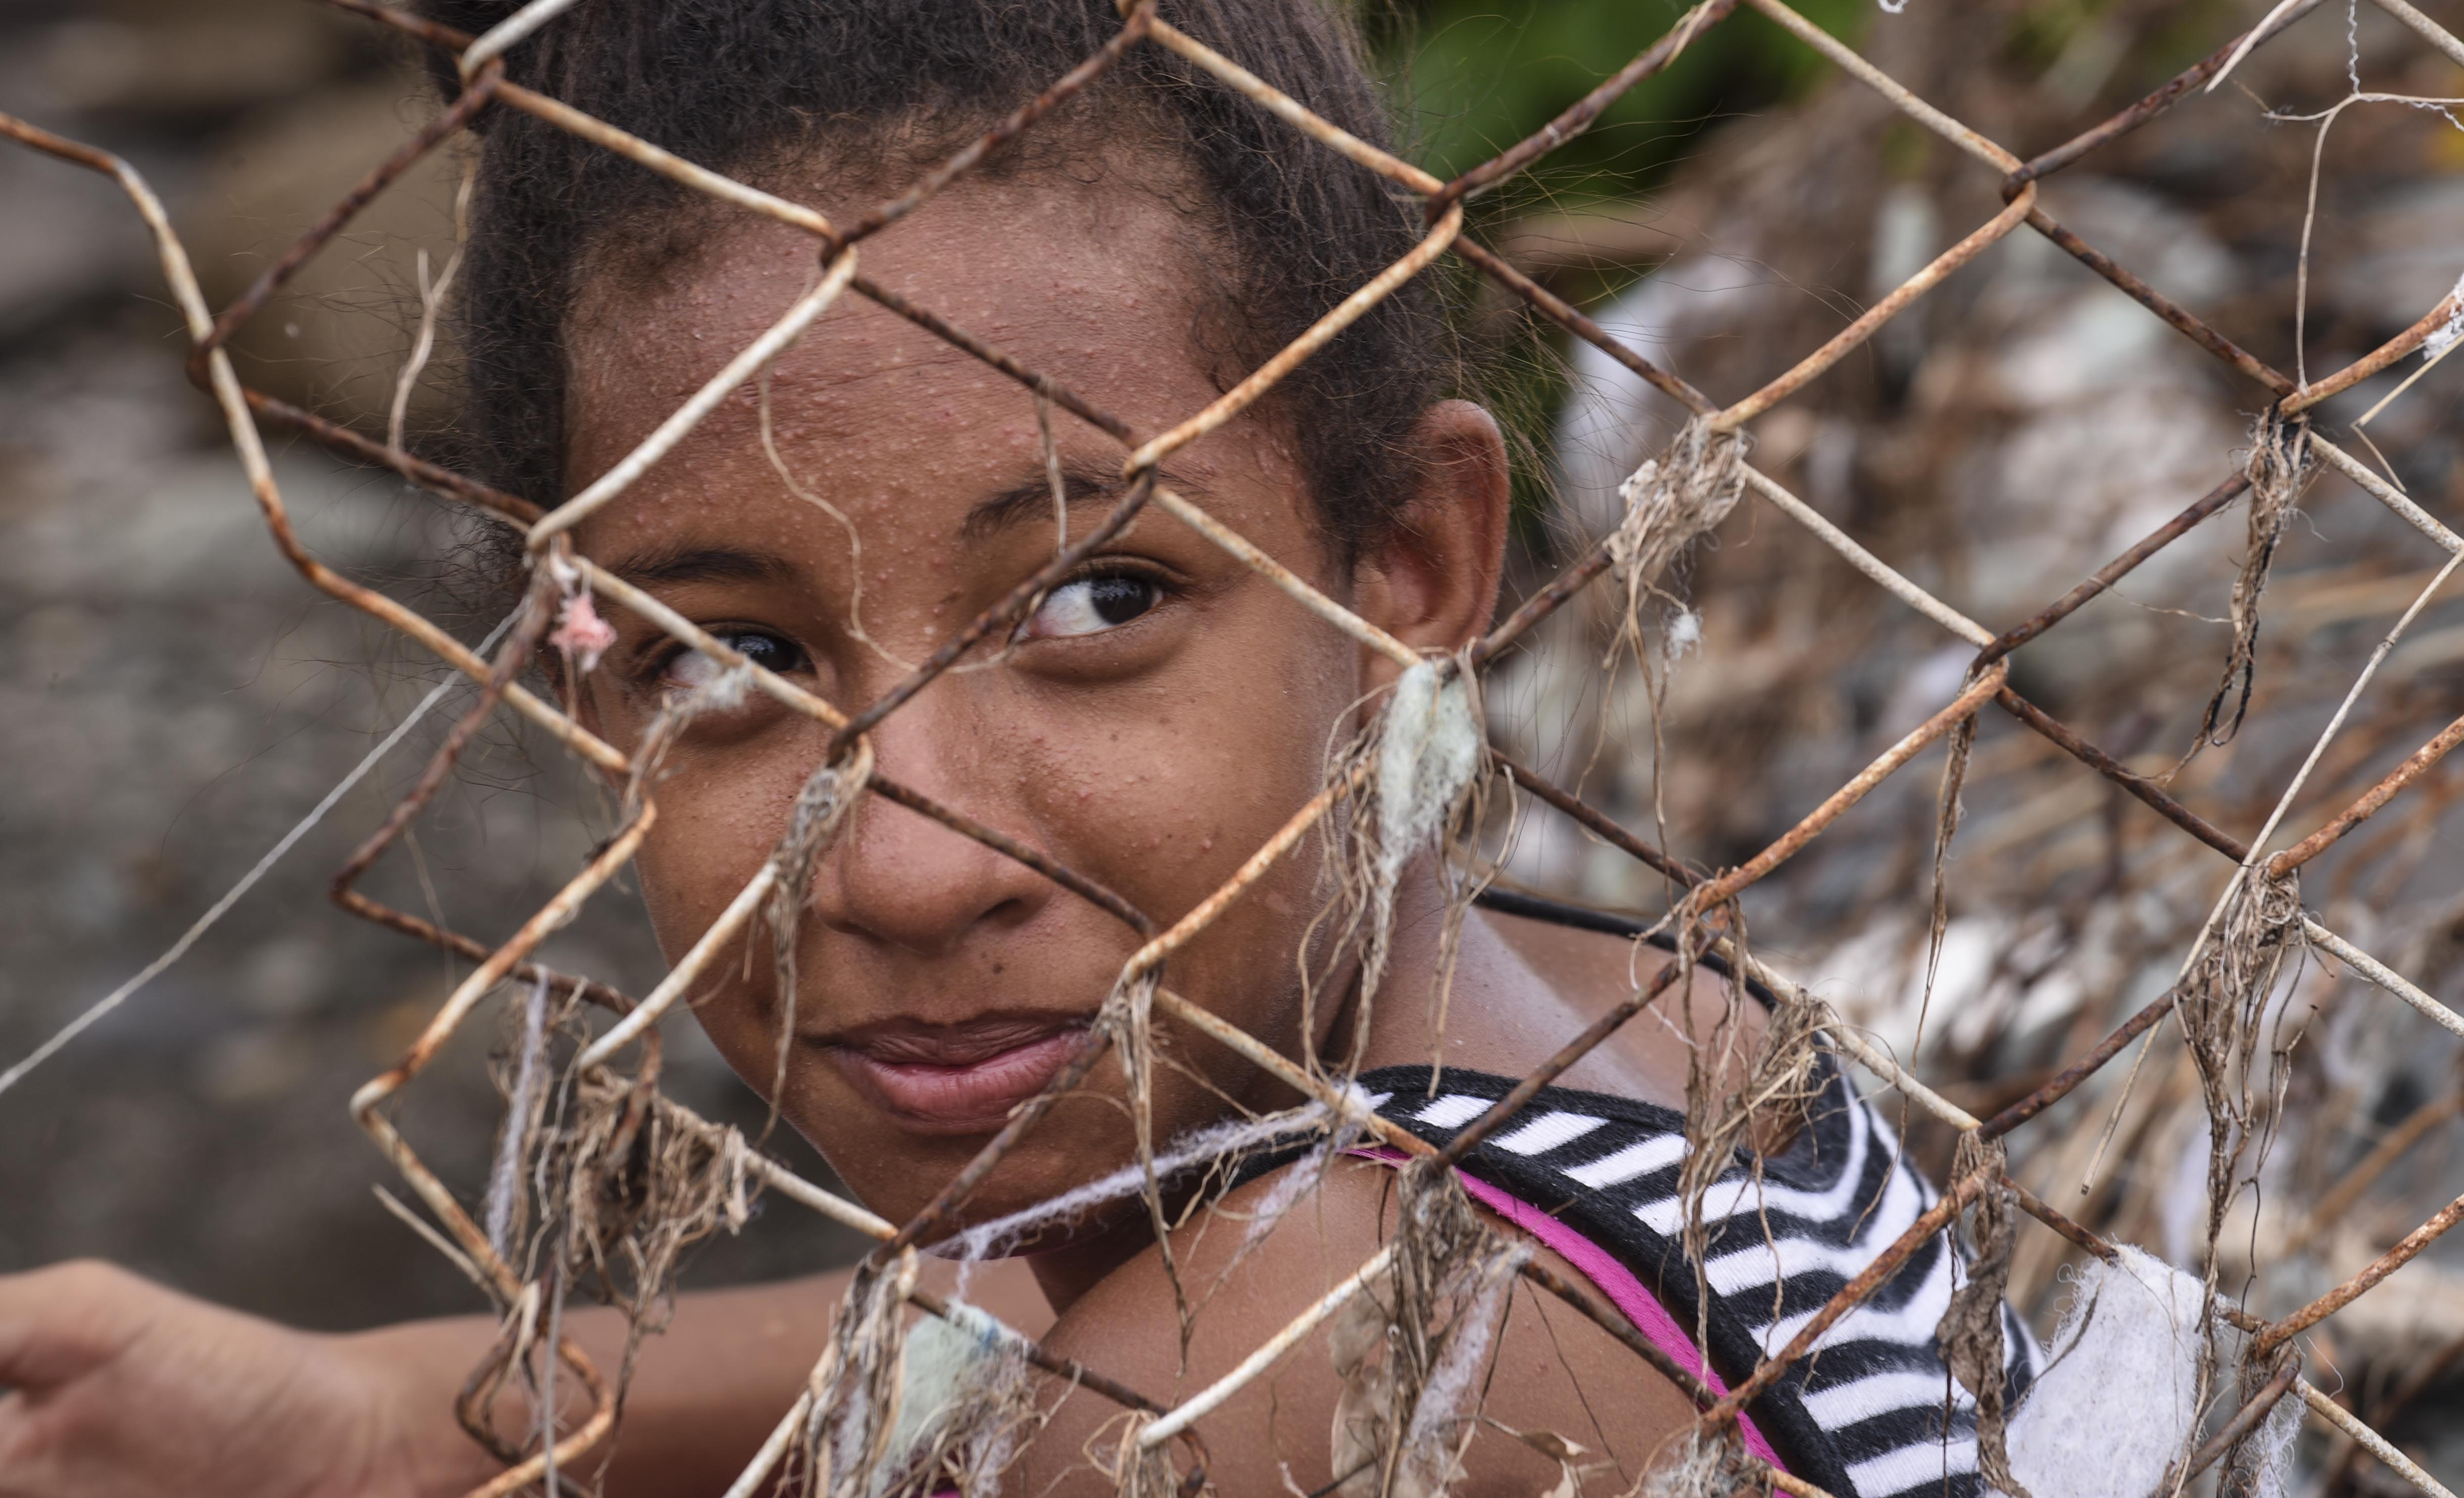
1650 1056
1247 1271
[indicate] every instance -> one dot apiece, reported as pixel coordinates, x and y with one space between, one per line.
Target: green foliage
1476 76
1480 75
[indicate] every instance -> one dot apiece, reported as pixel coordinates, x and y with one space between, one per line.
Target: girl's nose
898 877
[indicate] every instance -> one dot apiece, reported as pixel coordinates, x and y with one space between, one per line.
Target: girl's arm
123 1389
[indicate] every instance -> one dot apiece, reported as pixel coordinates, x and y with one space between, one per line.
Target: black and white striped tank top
1873 1412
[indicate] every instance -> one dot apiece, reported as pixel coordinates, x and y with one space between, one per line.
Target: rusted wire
1145 486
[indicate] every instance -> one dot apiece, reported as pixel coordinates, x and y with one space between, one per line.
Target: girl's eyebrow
680 562
1030 499
675 564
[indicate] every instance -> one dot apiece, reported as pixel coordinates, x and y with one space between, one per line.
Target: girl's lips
963 1082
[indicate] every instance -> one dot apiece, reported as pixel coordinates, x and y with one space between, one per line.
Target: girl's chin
945 1101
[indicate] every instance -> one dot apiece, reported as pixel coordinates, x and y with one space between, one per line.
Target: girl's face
1160 715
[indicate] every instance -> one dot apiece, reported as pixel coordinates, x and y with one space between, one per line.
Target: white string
512 28
517 1120
246 882
989 1239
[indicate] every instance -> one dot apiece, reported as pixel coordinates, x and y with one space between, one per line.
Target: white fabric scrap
2441 340
2119 1397
1425 756
2118 1402
944 1361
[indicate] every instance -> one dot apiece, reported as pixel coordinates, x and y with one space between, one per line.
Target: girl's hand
119 1388
123 1389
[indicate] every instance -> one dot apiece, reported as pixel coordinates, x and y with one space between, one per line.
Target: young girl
1160 713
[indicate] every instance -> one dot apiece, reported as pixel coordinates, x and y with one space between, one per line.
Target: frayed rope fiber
1426 754
2281 467
1423 751
1970 1332
636 1180
858 1387
1412 1357
1134 1468
823 805
2220 1004
1714 1466
1669 501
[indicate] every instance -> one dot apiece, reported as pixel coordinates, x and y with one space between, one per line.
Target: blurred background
174 697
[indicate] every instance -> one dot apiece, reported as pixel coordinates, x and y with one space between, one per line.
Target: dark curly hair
872 91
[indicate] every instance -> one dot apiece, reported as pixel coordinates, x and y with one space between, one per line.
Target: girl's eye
691 669
1091 605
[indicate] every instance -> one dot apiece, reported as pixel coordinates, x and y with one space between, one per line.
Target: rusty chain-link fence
603 1115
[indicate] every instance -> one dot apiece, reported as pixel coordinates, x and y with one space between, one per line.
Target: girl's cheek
709 839
665 891
613 712
1177 801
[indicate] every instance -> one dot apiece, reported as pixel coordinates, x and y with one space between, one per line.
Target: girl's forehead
1094 290
1091 283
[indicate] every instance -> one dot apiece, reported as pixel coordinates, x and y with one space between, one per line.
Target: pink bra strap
1607 1275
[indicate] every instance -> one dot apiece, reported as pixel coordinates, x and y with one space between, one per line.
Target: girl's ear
1432 583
